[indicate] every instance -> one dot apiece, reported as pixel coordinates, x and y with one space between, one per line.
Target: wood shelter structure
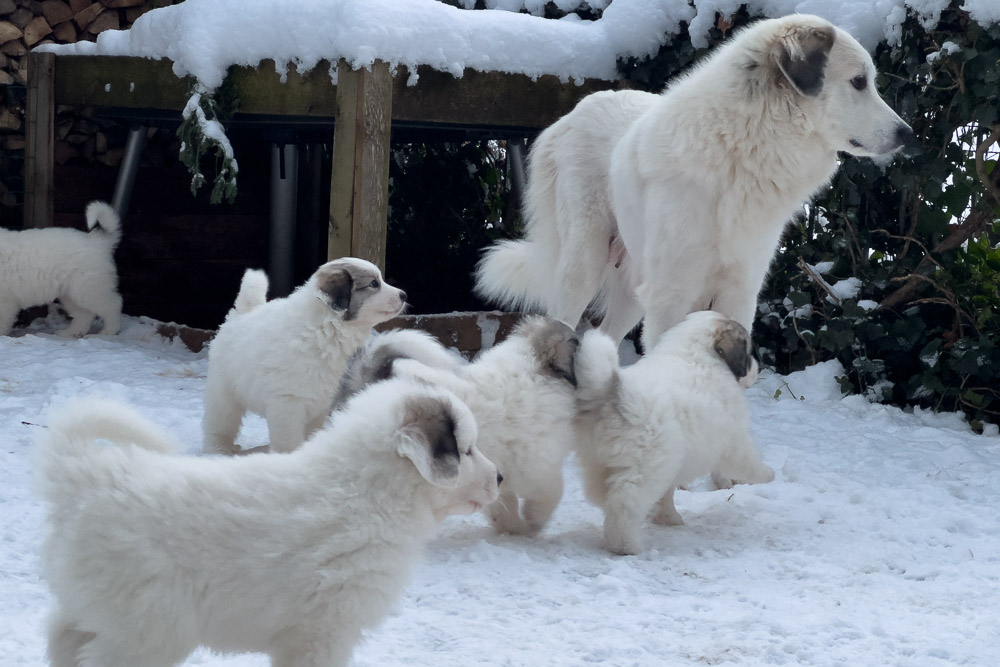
363 109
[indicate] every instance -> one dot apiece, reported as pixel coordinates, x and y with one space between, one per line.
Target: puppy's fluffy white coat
150 554
675 415
653 206
283 359
522 394
38 266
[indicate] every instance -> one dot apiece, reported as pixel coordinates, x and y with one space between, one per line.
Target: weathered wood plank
120 82
359 196
39 161
477 99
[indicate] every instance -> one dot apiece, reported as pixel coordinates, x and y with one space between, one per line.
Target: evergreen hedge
916 323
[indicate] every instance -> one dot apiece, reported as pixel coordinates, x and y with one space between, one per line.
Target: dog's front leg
286 423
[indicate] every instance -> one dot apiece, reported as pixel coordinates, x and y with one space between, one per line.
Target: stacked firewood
26 24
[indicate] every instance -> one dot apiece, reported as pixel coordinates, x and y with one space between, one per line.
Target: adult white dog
283 359
150 554
675 415
655 206
522 394
38 266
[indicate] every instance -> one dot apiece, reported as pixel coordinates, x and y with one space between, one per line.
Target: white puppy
675 415
151 554
38 266
654 206
283 359
522 395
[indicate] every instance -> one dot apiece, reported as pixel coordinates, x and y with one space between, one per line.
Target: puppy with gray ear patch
675 415
151 554
522 394
283 359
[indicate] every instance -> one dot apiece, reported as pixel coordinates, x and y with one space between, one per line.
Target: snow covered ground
875 545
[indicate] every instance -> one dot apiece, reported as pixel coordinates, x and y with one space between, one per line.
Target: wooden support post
359 189
38 155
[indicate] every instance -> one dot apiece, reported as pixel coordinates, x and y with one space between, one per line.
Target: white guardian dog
38 266
654 206
675 415
283 359
150 554
522 394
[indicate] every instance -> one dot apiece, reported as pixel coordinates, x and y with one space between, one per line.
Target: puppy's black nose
904 134
402 295
499 479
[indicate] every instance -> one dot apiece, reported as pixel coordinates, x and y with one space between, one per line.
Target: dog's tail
68 448
253 292
597 376
101 216
507 275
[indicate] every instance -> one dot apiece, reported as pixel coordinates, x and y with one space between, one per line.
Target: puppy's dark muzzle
499 479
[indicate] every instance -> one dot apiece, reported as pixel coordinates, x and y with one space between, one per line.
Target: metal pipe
128 169
284 190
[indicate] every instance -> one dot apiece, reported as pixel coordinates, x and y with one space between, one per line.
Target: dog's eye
374 283
859 82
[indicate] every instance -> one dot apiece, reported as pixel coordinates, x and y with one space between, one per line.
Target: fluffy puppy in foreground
38 266
283 359
675 415
522 393
150 554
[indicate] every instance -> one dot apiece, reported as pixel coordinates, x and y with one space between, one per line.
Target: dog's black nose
402 295
499 479
904 134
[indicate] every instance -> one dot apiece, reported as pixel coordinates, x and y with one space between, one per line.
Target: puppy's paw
722 481
506 520
620 540
667 517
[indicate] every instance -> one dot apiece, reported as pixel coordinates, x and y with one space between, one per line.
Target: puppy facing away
283 359
150 554
675 415
522 394
38 266
630 211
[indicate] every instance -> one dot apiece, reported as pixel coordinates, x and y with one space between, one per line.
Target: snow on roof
204 37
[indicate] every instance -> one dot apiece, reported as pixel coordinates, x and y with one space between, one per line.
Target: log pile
24 25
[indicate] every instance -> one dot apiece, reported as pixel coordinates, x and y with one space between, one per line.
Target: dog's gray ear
732 344
801 57
555 345
337 285
428 440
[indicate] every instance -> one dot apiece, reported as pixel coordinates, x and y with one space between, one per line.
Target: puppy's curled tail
507 275
99 214
83 420
253 292
596 369
69 460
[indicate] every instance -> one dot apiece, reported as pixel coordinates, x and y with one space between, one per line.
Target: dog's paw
669 517
621 541
722 481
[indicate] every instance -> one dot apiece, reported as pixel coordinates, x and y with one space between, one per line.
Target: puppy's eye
859 82
374 283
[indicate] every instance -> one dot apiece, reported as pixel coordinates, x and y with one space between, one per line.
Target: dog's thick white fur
522 393
38 266
655 206
150 554
283 359
675 415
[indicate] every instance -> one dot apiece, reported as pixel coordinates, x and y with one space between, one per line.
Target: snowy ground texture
875 545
